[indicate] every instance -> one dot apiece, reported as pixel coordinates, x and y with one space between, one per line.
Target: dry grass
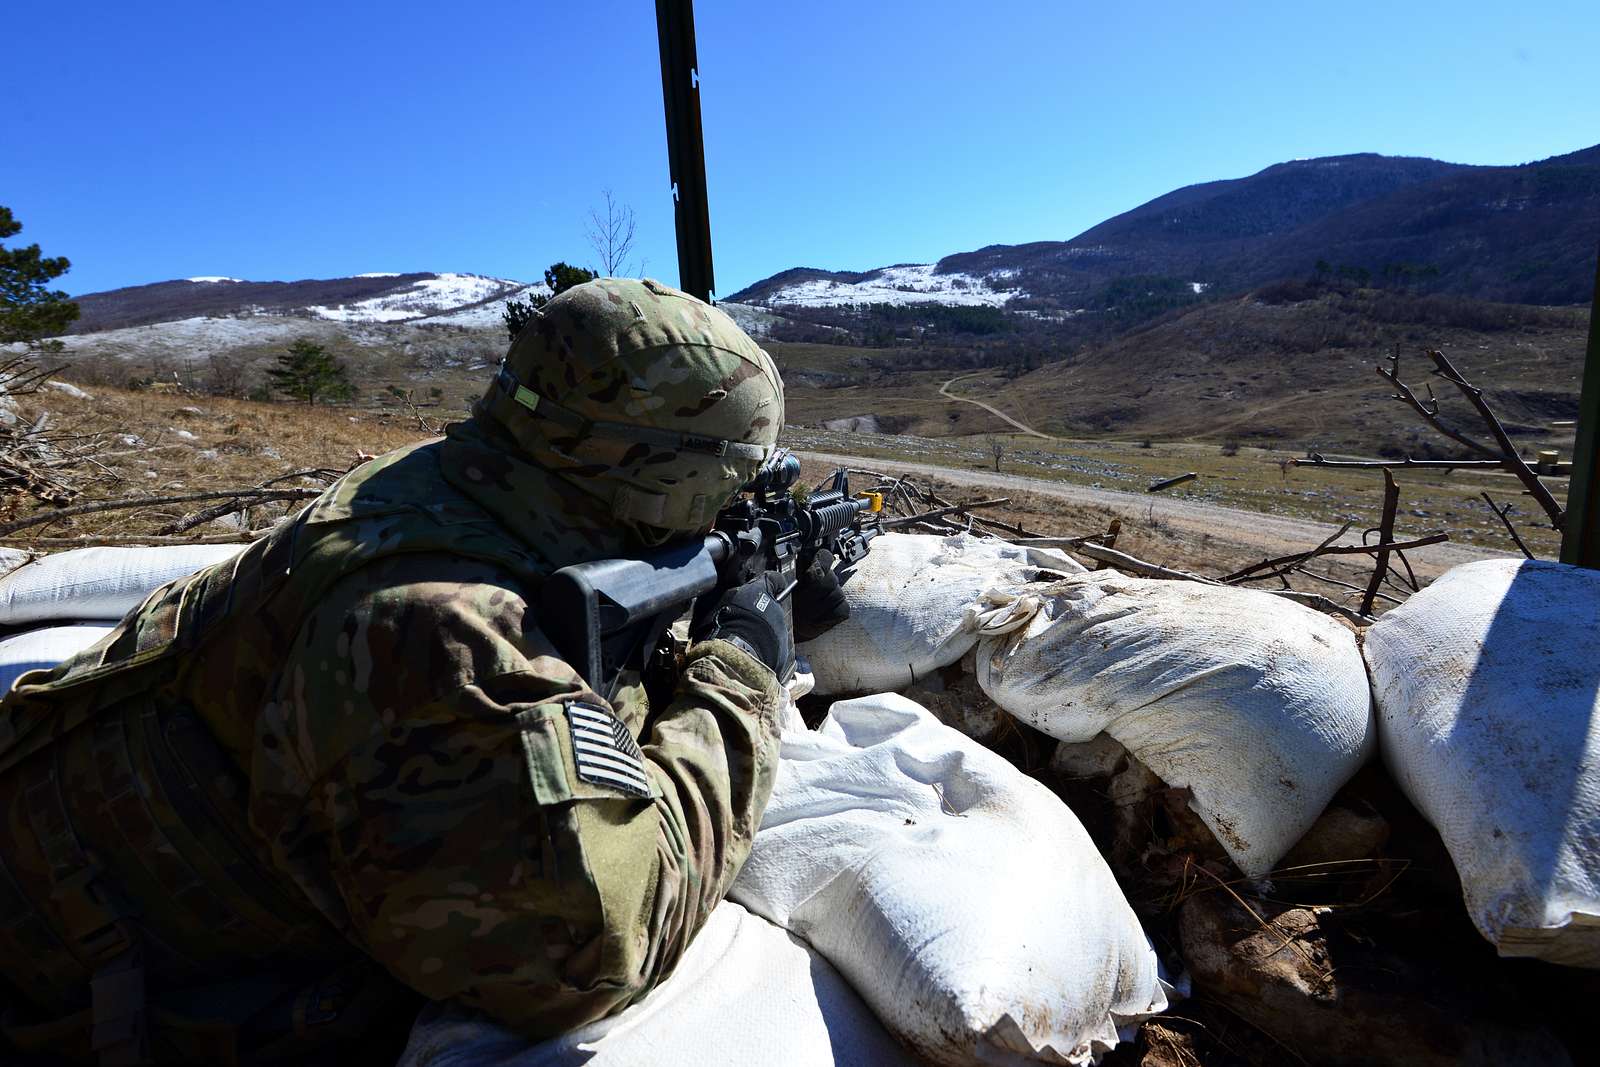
158 443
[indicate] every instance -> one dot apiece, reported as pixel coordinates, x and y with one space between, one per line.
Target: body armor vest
137 908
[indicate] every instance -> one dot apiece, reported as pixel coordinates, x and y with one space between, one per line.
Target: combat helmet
643 396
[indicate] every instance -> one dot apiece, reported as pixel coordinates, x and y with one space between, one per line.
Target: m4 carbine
614 611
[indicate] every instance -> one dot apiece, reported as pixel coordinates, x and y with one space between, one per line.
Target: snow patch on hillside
486 314
753 319
907 284
212 278
424 298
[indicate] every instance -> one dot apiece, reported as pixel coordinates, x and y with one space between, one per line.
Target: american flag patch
604 750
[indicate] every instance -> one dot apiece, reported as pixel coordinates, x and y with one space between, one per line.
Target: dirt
1218 536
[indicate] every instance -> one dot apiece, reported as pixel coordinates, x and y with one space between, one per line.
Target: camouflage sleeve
431 775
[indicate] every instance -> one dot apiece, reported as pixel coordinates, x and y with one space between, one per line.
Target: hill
1521 233
375 297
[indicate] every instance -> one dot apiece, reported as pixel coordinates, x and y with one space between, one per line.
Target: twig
1510 529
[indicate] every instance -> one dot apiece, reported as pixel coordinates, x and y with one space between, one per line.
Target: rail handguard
607 617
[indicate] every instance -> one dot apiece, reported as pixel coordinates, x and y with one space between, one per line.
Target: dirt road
1269 535
944 391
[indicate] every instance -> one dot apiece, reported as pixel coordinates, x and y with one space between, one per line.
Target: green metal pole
1580 542
686 149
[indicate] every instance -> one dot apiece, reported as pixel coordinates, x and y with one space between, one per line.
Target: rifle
617 609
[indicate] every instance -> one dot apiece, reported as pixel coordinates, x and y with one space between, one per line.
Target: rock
1101 757
959 703
1340 834
1333 996
70 389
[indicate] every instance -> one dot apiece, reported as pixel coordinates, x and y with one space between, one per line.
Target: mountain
1523 234
462 299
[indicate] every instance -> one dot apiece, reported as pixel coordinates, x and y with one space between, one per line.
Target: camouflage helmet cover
643 396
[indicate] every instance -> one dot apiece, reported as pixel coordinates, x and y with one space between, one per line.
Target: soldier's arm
418 776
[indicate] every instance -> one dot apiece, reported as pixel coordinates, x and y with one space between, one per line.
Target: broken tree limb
1108 540
1132 564
1501 514
1326 549
942 512
90 541
1508 449
1168 483
255 496
1316 460
1391 501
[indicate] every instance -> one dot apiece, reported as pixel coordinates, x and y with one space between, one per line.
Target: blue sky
297 140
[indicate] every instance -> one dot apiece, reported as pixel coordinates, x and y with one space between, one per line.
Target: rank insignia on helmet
604 751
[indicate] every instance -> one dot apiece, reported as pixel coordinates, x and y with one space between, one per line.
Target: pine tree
559 277
29 311
308 371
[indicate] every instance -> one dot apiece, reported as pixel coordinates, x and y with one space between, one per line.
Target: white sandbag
1488 691
909 602
960 897
45 647
98 583
1258 706
745 993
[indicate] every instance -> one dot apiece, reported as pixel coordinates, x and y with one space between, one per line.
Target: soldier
352 755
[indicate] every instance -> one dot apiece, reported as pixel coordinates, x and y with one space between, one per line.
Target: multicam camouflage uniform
356 740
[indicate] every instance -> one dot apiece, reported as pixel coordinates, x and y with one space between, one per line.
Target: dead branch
256 496
1391 501
1108 541
1124 562
942 512
1316 460
1501 514
1168 483
1287 564
90 541
1508 449
1430 410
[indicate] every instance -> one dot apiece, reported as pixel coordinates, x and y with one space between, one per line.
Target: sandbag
1488 693
98 583
45 647
959 897
1256 705
909 602
744 993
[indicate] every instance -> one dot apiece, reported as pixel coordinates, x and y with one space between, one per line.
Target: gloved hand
750 615
819 603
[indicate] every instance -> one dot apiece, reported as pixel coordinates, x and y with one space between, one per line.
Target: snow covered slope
908 283
435 296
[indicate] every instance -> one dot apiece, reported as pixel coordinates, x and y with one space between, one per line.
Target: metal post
1580 541
686 149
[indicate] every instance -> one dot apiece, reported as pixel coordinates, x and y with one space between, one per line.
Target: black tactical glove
819 603
750 615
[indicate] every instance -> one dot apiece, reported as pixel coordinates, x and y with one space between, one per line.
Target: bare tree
611 236
996 447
